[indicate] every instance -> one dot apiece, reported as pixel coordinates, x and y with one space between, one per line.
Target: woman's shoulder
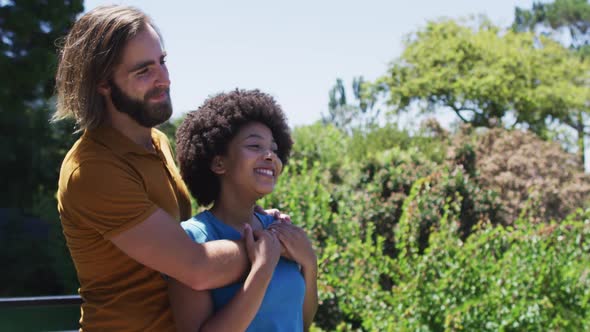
265 219
200 227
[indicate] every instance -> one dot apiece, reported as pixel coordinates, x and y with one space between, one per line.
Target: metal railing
40 313
40 301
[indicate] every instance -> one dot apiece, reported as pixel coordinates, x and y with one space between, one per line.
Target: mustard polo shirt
109 184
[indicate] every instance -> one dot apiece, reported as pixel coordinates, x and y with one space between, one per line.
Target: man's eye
254 146
142 72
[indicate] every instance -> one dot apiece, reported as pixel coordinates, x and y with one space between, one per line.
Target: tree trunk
581 145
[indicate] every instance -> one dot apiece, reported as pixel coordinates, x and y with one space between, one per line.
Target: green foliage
571 15
32 148
485 74
352 272
497 279
532 279
382 188
551 19
321 145
169 128
23 277
407 243
360 114
34 254
317 142
369 143
433 196
34 257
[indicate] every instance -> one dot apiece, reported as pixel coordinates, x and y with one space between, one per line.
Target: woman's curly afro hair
206 133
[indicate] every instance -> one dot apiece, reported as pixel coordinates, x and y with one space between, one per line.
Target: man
120 195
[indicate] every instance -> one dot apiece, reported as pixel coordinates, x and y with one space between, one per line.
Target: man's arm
160 243
193 310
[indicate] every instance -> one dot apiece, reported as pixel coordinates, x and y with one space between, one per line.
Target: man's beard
140 110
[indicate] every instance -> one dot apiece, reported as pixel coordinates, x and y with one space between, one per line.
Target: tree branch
458 111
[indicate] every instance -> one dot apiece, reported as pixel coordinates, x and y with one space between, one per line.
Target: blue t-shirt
282 306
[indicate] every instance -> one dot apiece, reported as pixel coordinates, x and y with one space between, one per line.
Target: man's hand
277 215
296 244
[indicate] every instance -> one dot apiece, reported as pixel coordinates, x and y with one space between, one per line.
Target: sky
293 50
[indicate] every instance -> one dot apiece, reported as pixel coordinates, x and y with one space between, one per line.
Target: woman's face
251 164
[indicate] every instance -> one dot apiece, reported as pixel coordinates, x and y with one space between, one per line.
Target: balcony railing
40 313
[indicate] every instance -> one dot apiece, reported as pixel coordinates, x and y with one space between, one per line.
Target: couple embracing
232 267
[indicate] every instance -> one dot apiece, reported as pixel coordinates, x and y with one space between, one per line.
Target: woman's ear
217 165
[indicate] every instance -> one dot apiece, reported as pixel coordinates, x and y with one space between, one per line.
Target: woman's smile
265 172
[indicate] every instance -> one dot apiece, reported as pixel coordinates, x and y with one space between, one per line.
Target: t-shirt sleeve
266 219
196 231
107 196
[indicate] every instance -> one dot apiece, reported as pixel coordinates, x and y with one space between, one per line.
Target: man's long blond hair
89 53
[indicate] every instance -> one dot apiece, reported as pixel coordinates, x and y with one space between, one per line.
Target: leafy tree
358 115
32 148
169 128
534 178
552 19
488 77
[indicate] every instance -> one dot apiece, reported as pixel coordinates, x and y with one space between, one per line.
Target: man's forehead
146 46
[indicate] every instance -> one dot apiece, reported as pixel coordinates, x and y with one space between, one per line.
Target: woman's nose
268 155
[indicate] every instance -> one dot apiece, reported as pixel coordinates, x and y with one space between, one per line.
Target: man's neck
130 128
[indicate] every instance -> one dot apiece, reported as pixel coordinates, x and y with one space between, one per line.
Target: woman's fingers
248 237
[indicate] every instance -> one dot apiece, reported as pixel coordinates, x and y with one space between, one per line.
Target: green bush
499 279
324 145
367 144
432 195
383 185
408 242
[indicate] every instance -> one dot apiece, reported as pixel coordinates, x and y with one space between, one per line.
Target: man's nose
163 79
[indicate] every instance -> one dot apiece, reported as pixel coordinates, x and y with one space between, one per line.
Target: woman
231 152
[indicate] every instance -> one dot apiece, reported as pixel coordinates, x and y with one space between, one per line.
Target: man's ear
217 165
104 88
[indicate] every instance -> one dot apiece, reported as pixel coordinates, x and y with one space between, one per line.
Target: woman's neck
235 212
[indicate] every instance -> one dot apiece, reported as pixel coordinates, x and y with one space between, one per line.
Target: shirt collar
118 142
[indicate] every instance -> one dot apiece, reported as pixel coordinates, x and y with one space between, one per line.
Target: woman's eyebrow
254 135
